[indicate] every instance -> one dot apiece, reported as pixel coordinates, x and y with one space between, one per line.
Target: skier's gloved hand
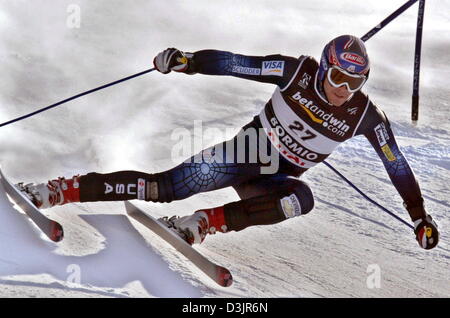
426 231
171 60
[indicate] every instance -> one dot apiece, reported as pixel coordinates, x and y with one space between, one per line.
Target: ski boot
55 192
194 228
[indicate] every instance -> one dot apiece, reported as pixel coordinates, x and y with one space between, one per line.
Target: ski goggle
339 77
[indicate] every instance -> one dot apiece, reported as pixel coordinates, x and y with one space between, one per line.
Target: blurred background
129 126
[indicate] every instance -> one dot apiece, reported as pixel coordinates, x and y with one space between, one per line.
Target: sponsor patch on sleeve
382 134
246 70
388 153
273 68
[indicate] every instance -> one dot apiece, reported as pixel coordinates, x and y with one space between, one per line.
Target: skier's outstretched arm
377 130
275 69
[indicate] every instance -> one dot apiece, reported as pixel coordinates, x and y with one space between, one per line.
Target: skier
315 107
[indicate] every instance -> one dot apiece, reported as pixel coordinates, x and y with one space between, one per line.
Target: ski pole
366 197
417 57
389 19
75 97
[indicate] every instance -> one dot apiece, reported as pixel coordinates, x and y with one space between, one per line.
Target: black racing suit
297 126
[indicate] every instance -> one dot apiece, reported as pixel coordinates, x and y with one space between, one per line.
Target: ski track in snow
323 254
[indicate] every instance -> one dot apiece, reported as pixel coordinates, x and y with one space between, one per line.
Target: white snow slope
328 253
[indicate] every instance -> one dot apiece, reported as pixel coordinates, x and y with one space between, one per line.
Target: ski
52 229
219 274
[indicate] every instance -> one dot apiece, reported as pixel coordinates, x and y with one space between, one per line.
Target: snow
116 247
328 253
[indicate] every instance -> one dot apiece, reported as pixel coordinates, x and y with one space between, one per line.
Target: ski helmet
348 53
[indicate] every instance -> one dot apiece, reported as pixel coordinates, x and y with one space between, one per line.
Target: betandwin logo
318 115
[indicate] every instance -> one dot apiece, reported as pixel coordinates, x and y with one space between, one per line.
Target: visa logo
273 64
274 68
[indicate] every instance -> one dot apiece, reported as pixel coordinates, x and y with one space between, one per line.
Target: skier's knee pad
304 196
126 185
259 210
269 209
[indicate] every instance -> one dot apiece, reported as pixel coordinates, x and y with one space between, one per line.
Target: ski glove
171 60
426 232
